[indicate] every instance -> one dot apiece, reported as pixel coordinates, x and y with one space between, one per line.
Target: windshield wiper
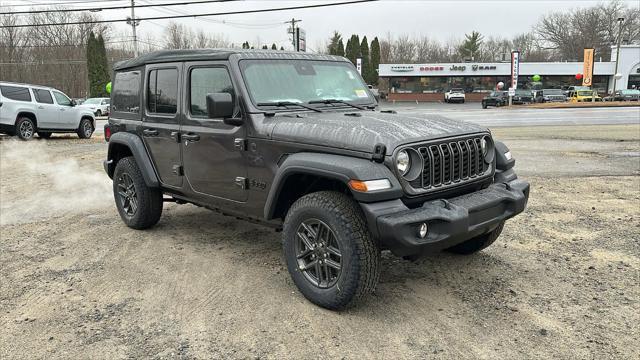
288 103
336 101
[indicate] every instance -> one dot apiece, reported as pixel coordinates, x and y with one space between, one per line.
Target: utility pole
615 72
133 22
293 31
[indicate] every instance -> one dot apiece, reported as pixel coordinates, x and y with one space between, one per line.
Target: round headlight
483 146
403 162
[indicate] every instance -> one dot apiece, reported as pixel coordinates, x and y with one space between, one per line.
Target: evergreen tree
340 48
274 47
366 64
470 47
265 47
352 52
282 48
245 45
103 68
334 44
375 61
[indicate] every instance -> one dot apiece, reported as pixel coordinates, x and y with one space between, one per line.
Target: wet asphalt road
515 117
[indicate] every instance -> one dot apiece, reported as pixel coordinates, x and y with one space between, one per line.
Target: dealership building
428 82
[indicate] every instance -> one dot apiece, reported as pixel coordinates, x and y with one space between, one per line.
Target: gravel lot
561 282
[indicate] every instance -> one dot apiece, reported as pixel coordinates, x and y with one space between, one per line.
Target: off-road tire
149 200
98 112
83 132
44 134
360 253
477 243
26 123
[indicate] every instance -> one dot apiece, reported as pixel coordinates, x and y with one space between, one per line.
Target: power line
94 9
193 15
59 3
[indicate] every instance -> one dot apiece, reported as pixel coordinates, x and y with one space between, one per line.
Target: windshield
302 81
523 92
92 101
552 92
585 93
456 90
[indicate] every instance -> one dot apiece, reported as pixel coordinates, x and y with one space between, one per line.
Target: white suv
29 109
99 106
454 95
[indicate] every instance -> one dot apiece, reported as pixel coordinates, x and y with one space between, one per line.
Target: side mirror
219 105
73 103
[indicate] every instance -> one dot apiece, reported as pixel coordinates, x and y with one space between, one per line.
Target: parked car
26 110
624 95
374 92
584 96
522 96
569 89
246 133
454 95
553 95
496 98
79 101
99 106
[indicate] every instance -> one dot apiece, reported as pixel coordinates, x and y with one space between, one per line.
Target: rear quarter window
126 92
16 93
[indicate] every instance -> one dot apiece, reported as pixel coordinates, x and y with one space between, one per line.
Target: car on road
454 95
295 142
553 95
26 110
584 96
624 95
99 106
522 96
495 98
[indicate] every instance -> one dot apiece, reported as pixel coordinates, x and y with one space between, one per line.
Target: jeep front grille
451 162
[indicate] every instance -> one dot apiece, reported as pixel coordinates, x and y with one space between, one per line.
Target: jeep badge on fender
341 179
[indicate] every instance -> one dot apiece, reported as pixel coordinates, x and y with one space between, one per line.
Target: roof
9 83
163 56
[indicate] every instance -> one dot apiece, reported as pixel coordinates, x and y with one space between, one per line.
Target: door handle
150 132
40 107
190 137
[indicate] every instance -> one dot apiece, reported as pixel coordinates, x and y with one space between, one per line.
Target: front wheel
139 206
484 106
329 252
85 130
98 113
477 243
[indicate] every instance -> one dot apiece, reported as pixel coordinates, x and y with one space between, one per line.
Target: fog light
423 230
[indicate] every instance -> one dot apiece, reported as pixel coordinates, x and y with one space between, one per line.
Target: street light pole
615 72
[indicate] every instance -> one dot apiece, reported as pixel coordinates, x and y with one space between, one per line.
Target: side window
43 96
61 98
162 91
15 93
126 92
205 81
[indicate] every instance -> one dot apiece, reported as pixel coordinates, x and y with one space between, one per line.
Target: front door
161 123
67 117
48 112
213 155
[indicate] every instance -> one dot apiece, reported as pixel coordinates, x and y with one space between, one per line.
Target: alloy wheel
87 128
318 253
26 129
127 194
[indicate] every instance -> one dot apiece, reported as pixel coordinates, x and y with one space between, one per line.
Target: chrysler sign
402 68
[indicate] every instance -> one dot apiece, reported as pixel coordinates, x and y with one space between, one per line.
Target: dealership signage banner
359 65
515 68
587 70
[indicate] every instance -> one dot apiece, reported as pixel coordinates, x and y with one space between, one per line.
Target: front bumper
450 221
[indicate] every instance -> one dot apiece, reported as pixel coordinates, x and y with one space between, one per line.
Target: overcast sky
441 20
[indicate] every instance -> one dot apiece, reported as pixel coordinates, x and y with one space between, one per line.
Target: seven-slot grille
451 162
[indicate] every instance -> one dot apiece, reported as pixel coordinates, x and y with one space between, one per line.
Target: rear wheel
98 112
477 243
484 106
329 252
85 130
25 128
139 206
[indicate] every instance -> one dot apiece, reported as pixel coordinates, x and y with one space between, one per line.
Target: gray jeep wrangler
296 142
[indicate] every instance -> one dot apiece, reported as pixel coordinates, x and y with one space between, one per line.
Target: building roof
163 56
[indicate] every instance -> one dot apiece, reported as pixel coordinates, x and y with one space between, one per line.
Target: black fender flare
139 152
336 167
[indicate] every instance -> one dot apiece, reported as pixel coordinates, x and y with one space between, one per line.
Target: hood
362 133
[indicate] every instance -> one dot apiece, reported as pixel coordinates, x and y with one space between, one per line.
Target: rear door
161 123
48 112
214 163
